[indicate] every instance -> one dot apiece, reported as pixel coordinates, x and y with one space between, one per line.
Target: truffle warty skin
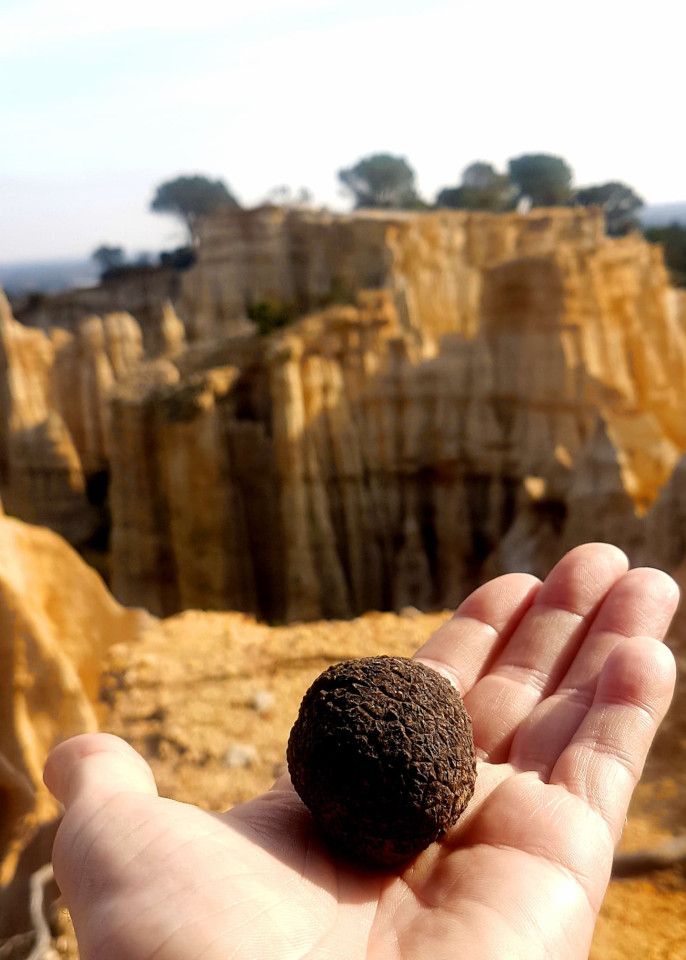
382 754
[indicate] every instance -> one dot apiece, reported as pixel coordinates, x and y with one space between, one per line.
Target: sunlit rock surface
57 621
375 454
54 413
462 392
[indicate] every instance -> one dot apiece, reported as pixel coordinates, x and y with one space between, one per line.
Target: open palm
566 683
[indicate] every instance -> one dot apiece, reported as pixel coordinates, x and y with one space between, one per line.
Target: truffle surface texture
383 756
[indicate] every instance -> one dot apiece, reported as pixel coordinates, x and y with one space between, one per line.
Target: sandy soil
210 698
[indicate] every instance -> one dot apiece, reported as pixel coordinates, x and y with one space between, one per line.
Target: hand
566 682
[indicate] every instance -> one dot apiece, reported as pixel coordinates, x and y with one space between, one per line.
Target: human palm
566 683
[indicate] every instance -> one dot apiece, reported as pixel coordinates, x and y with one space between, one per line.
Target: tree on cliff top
618 201
673 241
191 197
108 258
285 196
482 188
382 180
546 180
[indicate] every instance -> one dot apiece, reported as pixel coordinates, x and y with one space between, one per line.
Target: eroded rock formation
493 389
514 384
57 620
54 414
136 290
309 259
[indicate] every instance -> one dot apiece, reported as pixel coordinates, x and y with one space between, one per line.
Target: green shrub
673 240
271 314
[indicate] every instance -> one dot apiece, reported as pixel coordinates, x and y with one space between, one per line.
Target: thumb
96 766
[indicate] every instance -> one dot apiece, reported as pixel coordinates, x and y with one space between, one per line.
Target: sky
101 102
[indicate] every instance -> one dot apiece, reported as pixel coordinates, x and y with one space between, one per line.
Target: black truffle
382 754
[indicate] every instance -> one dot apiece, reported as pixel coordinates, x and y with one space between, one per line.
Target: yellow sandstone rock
54 418
375 452
57 621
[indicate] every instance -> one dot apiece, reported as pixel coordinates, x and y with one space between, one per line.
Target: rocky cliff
136 290
54 415
57 621
467 393
512 384
305 260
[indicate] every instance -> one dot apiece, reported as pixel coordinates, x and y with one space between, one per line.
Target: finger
543 645
605 758
644 600
464 646
96 766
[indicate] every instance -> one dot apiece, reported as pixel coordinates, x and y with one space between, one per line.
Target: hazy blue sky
99 102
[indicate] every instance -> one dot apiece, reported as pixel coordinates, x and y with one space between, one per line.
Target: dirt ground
210 698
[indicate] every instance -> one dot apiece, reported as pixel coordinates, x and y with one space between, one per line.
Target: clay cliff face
140 291
396 451
495 388
309 259
54 416
57 621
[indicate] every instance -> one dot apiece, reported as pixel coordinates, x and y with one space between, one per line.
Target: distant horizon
649 212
